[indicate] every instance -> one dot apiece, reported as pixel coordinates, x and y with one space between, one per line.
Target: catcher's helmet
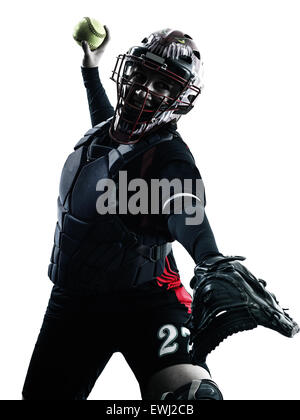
157 82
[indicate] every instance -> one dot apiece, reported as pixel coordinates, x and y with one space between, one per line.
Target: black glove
228 299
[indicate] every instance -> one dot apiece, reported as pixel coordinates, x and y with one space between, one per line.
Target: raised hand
91 58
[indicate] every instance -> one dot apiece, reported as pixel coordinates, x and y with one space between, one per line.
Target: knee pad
204 389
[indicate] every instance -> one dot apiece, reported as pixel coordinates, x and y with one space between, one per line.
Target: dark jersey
169 160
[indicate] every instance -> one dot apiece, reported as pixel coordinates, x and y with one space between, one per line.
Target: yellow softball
90 30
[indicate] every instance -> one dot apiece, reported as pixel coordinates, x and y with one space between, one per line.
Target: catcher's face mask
150 90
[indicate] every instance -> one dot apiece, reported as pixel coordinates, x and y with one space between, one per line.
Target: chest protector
93 252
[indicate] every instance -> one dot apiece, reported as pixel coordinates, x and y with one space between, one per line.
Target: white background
244 134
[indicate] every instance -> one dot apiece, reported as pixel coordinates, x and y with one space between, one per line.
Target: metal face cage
132 119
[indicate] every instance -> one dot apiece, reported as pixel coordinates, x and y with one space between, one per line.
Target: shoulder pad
90 134
178 150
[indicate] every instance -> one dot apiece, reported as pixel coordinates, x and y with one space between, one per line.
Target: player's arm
184 210
227 297
99 104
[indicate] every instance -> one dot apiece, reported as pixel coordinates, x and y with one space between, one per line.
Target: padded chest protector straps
89 247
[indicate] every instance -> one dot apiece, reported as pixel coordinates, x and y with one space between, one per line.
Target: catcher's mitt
228 299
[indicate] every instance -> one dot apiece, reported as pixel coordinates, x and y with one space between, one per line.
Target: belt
156 252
